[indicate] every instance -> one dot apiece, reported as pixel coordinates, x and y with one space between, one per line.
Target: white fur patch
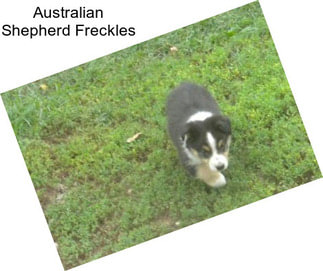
199 116
216 160
211 141
220 181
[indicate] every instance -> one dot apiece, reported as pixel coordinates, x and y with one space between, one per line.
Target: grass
101 194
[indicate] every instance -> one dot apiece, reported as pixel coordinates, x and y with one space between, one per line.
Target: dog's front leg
212 178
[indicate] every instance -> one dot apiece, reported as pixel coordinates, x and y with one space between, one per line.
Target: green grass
101 194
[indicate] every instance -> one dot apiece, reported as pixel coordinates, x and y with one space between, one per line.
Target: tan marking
208 176
220 143
206 148
195 153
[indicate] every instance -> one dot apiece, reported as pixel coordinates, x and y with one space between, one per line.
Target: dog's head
208 141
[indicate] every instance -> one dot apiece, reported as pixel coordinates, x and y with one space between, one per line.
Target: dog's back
183 102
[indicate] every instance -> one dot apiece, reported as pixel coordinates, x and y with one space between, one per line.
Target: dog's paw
219 181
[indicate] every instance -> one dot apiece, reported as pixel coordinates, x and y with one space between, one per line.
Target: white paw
220 181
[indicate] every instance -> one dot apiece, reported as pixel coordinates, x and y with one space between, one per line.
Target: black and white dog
201 134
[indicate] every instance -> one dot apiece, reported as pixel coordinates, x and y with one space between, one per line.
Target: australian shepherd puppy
201 134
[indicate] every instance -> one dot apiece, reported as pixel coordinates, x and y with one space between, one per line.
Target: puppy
201 134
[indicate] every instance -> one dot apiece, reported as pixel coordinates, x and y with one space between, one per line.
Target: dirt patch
50 195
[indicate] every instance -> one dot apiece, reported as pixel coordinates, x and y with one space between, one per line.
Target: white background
282 232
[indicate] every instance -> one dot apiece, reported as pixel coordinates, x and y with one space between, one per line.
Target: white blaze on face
216 160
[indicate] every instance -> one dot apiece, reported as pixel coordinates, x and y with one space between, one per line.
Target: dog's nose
220 167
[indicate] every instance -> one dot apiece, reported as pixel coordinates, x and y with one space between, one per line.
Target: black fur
183 102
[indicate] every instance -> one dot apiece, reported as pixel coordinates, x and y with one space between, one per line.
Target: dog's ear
192 131
222 124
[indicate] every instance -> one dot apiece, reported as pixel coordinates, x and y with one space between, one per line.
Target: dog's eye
206 150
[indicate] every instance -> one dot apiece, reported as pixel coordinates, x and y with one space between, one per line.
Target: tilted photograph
161 135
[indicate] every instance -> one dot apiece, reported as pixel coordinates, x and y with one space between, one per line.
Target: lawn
101 194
